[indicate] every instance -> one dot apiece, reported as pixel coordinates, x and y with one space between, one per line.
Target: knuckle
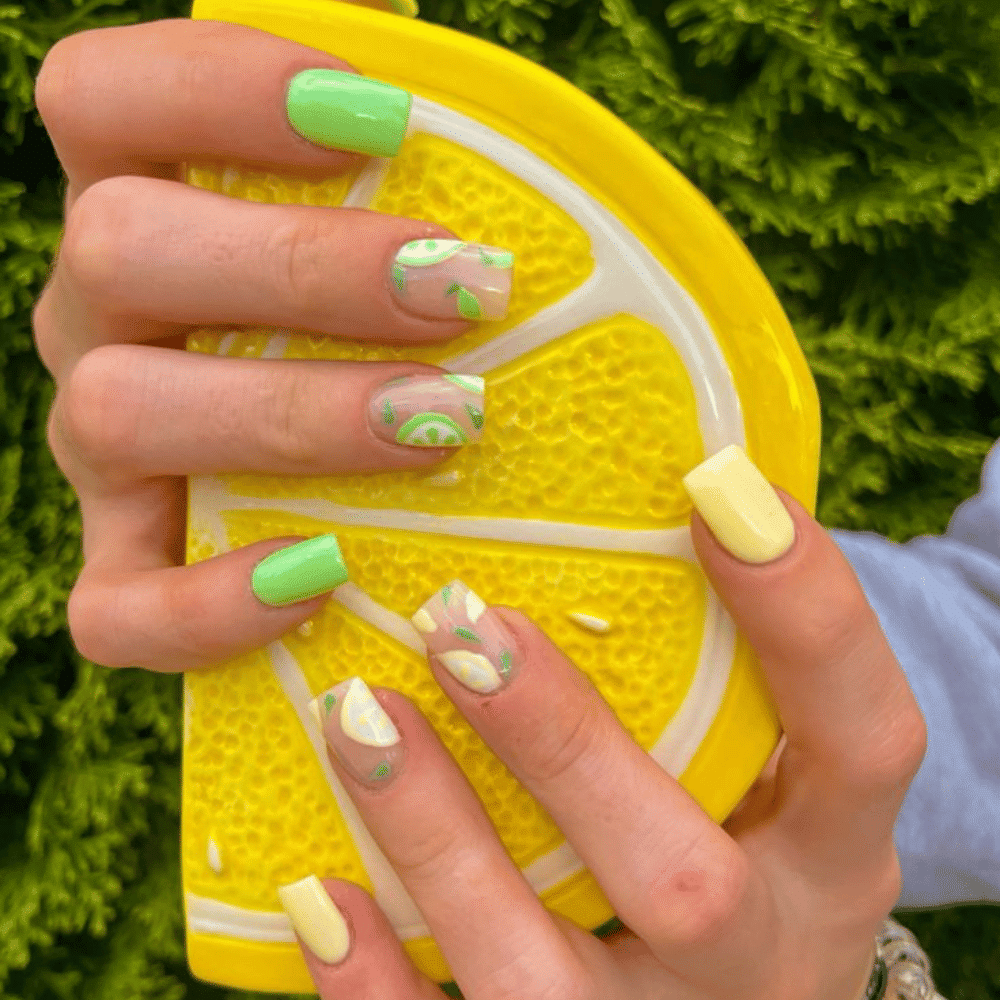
559 752
94 249
845 629
89 614
530 975
92 414
698 900
290 428
56 90
434 856
45 332
299 256
891 753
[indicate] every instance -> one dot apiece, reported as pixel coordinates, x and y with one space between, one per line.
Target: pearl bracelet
902 970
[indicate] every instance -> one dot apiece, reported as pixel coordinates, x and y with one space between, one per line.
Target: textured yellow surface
596 428
642 666
261 796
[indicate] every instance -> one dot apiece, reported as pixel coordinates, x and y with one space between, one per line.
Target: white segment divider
626 278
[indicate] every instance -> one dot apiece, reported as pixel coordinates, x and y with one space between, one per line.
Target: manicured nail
442 279
359 732
316 919
300 571
429 411
468 638
740 506
347 111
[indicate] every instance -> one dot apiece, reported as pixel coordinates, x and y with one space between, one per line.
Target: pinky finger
349 945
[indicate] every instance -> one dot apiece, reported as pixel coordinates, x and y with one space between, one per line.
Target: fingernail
348 111
316 919
442 279
429 411
740 506
359 732
474 645
300 571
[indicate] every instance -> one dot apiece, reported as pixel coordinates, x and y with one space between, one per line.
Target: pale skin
781 902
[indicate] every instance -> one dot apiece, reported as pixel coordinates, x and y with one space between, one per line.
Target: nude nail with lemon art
429 411
469 639
358 730
445 279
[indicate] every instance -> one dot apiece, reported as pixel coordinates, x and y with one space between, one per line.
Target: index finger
192 90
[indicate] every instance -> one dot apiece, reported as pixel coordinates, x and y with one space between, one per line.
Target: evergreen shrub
853 144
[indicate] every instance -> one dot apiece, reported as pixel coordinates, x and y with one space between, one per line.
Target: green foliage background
853 144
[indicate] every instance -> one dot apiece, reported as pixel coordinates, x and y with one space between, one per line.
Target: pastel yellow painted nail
316 919
740 506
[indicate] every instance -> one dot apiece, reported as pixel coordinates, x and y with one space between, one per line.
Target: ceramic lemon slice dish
640 338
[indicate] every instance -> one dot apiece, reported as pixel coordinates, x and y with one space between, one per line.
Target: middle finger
131 412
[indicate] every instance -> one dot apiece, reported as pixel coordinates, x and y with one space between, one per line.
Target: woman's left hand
782 902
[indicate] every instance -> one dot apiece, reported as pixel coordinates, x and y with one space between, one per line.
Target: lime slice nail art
429 411
431 430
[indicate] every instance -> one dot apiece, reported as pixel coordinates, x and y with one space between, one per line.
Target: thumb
843 699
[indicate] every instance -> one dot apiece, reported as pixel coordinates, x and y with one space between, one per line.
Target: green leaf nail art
328 702
399 276
446 594
499 258
467 634
388 413
505 662
381 772
468 304
475 416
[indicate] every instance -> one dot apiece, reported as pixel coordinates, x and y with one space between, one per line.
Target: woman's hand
781 903
145 259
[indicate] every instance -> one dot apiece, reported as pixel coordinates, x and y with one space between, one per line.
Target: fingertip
374 962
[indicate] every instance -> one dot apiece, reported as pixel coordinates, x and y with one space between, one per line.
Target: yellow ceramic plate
640 339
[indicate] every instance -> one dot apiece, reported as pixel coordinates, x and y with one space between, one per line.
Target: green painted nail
299 572
347 111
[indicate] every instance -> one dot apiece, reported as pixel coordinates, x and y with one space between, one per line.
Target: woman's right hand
145 259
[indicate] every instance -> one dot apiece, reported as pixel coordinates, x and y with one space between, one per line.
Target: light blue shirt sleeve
938 601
